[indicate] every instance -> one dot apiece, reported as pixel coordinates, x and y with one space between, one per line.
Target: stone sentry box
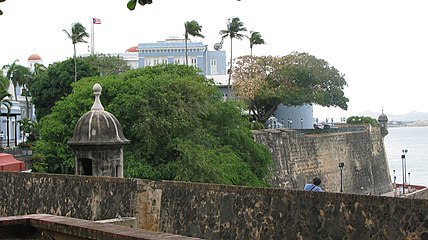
98 142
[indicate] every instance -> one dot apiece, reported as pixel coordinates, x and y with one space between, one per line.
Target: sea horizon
415 141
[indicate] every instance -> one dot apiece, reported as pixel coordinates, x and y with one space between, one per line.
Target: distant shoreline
422 123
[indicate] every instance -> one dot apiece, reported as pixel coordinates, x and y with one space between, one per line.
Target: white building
10 133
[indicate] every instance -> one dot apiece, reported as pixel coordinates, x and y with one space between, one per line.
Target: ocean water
415 140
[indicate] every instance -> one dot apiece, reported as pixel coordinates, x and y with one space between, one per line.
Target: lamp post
395 186
410 187
341 165
403 168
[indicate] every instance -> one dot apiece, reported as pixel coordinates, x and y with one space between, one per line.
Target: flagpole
92 36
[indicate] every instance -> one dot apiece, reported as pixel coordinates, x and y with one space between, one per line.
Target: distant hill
411 116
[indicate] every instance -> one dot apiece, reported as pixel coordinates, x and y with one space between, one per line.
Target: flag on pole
96 21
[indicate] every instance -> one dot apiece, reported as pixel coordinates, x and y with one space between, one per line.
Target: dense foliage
362 120
294 80
54 83
178 126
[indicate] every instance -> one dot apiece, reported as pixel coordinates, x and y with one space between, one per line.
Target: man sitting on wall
314 186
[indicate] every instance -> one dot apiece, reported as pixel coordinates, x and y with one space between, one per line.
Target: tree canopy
294 80
362 120
179 127
54 83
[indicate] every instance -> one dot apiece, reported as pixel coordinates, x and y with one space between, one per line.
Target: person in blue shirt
314 186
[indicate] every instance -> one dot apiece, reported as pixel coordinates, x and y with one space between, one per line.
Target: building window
214 67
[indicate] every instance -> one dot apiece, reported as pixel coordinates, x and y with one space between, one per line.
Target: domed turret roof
132 49
98 127
34 57
382 117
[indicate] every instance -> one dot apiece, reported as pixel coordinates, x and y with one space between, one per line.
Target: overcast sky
380 46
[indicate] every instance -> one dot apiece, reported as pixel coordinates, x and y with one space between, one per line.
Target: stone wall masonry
216 211
299 156
420 194
84 197
227 212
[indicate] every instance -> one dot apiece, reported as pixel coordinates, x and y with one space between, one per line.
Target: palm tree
10 71
4 83
192 28
22 77
255 39
4 100
4 94
77 35
38 69
234 29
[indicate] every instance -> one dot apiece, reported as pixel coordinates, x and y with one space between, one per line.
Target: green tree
5 100
19 76
255 39
55 83
179 127
27 126
10 70
107 64
133 3
22 76
192 28
77 35
51 84
293 80
4 82
4 94
362 120
37 72
234 30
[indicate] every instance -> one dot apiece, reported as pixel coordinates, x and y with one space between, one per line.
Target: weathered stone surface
91 198
225 212
298 158
216 211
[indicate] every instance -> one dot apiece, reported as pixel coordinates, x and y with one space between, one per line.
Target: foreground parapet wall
227 212
43 226
299 156
83 197
216 211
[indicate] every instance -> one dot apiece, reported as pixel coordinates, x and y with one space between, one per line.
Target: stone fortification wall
84 197
299 156
420 194
216 211
227 212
